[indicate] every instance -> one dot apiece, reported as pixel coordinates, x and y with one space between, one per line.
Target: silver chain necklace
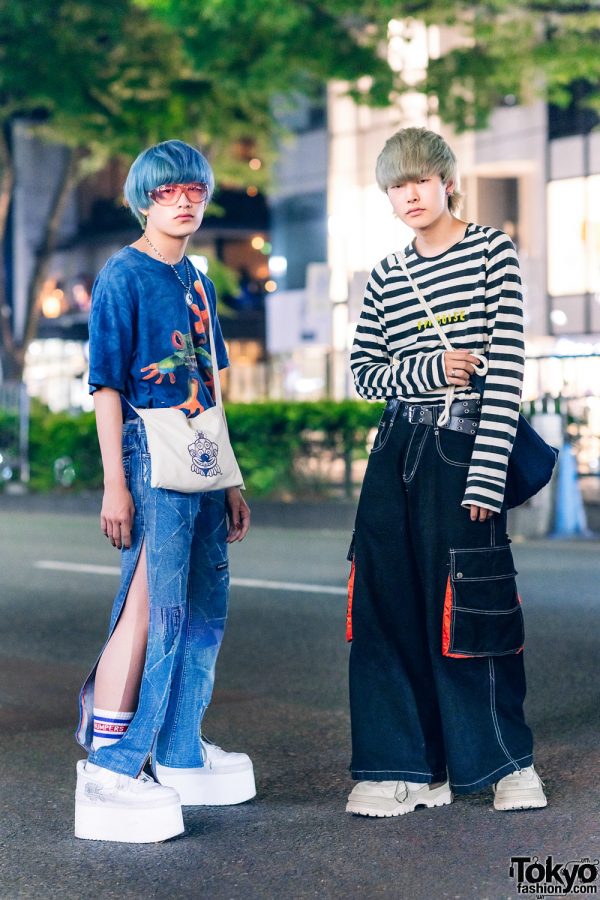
187 288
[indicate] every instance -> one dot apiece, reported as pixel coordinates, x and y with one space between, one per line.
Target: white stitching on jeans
445 458
488 612
375 449
478 549
408 771
493 712
493 772
408 478
464 580
455 550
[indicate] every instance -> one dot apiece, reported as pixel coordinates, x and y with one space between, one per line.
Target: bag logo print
204 456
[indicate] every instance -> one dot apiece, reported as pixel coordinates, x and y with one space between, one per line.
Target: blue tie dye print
146 342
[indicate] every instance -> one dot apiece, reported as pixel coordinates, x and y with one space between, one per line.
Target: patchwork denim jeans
188 586
437 681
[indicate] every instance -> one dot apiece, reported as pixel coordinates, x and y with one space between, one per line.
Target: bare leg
119 671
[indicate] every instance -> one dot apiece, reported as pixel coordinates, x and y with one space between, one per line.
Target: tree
505 48
106 79
512 49
94 77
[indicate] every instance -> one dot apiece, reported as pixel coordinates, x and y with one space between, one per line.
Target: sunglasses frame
182 190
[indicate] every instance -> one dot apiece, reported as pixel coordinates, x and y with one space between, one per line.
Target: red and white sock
109 727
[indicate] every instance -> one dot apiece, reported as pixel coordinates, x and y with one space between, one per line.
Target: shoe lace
401 793
209 747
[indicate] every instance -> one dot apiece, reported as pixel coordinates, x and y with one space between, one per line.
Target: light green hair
414 153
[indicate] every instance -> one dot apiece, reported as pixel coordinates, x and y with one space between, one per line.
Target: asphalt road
281 696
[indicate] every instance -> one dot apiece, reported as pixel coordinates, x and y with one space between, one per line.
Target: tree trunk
13 352
68 180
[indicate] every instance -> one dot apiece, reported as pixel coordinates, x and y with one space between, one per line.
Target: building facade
534 172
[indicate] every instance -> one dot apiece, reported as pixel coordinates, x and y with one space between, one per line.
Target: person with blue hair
152 321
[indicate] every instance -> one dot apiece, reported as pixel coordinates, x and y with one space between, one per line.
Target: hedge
284 449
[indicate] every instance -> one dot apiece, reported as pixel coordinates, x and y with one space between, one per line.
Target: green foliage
95 76
54 436
515 49
9 431
284 449
112 77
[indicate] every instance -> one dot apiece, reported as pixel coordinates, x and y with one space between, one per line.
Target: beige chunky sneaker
523 789
395 798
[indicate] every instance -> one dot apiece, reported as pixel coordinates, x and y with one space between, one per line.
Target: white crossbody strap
211 340
483 366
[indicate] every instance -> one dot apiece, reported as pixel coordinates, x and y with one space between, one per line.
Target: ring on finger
453 373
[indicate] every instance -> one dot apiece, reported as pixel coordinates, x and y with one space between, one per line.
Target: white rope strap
481 369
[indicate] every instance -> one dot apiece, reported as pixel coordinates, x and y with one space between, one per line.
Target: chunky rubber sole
96 822
521 801
385 809
199 787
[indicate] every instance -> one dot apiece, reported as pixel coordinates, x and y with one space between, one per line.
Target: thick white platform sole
205 787
94 822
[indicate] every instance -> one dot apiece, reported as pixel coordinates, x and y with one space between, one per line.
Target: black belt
464 415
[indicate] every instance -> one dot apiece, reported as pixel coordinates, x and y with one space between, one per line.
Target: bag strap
481 369
211 340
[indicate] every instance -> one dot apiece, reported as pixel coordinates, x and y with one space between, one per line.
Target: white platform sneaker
114 807
224 779
395 798
523 789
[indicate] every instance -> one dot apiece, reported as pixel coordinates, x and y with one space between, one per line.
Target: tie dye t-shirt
146 342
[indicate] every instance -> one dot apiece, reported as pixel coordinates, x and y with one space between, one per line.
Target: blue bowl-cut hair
171 162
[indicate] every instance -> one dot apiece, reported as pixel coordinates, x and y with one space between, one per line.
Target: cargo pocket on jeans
482 609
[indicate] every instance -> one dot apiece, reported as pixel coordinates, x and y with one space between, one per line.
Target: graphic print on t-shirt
189 351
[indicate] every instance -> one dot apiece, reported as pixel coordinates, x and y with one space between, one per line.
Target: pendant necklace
187 288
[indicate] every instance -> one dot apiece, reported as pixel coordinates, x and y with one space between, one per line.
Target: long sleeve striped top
474 290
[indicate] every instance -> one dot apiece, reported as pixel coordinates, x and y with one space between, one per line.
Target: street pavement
281 696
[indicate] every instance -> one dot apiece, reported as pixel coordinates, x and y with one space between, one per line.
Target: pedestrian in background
437 681
147 694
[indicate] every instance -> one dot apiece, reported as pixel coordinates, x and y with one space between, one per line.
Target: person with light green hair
414 152
437 681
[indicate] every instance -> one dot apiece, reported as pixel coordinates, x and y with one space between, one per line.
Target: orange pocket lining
349 608
447 623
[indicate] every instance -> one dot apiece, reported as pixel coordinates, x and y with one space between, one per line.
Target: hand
459 366
116 517
238 514
479 513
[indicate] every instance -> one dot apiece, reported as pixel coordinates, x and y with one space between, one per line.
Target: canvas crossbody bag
191 455
532 460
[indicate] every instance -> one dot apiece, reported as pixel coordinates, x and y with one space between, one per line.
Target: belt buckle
413 412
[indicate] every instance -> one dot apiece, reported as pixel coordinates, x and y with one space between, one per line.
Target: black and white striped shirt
474 290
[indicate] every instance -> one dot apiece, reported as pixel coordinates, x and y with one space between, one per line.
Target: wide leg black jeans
417 714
